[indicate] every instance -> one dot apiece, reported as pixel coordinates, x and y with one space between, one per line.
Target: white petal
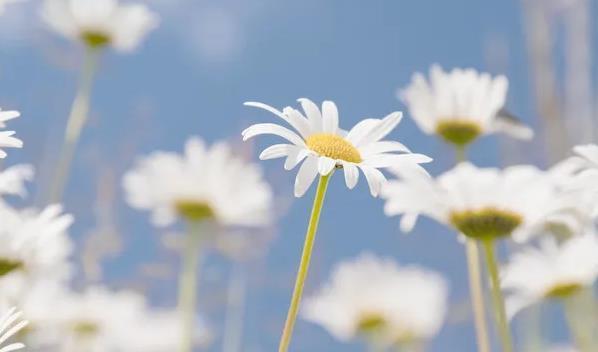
382 147
296 121
275 151
271 128
330 117
325 165
313 113
351 175
382 129
306 175
296 155
408 221
375 179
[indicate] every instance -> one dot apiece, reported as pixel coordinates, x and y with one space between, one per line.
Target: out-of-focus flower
11 324
35 246
100 23
461 105
12 180
204 183
553 271
324 146
581 170
478 202
377 299
6 137
3 4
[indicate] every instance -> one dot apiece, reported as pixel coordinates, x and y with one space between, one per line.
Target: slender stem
477 295
233 326
497 296
579 311
188 286
285 339
460 154
75 123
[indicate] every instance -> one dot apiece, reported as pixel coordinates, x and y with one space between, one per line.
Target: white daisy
10 324
99 23
205 182
35 246
550 272
478 202
375 298
580 171
322 145
461 105
6 137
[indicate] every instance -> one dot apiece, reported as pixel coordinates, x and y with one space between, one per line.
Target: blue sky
191 77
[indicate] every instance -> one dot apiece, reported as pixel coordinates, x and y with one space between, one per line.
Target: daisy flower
375 298
550 271
6 137
203 183
322 145
461 105
10 324
100 23
478 202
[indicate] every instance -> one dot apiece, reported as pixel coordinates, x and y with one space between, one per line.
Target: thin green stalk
579 312
235 308
477 295
497 296
287 332
188 286
76 122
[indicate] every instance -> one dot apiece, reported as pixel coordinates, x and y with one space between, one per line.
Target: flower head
552 271
480 203
376 298
204 183
10 324
100 23
461 105
322 145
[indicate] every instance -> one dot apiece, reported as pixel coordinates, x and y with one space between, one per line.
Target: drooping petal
306 175
296 121
351 175
375 179
296 155
325 165
275 151
271 128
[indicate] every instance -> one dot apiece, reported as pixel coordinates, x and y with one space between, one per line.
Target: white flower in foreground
323 146
205 182
550 272
35 246
11 324
461 105
478 202
6 137
376 298
99 23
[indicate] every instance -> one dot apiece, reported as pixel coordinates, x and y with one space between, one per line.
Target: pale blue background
191 77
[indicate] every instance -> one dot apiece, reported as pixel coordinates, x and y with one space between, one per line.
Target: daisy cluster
224 200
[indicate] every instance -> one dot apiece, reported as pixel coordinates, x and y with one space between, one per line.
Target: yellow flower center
95 39
371 323
193 210
9 265
486 223
334 147
86 328
563 290
459 132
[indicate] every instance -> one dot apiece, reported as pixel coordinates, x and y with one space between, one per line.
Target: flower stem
477 295
310 236
75 123
188 286
233 326
497 297
579 311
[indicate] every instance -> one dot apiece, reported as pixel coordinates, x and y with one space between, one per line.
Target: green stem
233 326
76 122
188 286
287 332
579 311
477 295
497 296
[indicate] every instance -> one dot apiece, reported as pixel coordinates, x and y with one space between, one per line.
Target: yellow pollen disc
486 223
459 132
8 265
370 323
95 39
334 147
563 290
193 210
86 328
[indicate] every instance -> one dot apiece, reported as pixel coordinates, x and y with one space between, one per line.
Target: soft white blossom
10 324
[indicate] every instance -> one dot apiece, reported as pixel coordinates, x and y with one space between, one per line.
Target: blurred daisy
12 180
35 246
377 299
551 271
323 146
478 202
6 137
11 324
204 183
461 105
100 23
581 170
